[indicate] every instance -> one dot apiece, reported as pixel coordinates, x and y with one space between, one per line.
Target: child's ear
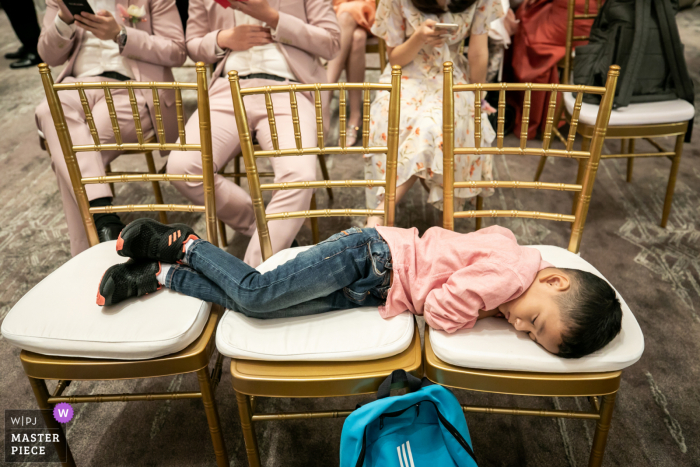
555 279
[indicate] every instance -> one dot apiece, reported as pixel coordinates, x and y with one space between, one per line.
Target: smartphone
78 6
226 3
446 28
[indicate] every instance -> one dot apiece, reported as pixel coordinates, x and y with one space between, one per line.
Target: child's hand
426 31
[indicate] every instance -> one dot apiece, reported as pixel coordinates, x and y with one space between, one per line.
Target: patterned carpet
656 270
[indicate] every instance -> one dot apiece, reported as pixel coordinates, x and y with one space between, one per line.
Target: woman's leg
343 260
401 190
336 66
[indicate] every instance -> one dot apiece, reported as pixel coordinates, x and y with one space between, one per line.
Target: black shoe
131 279
109 232
17 54
29 60
149 239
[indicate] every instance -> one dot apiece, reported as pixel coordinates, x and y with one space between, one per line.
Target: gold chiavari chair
336 355
490 357
645 121
65 336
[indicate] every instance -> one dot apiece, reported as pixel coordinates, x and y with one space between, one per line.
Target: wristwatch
121 39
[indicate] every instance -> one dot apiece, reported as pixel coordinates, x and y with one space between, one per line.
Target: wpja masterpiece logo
29 439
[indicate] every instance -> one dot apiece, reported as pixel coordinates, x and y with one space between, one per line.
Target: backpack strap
642 21
398 376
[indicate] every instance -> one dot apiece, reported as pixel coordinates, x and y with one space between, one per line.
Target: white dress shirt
96 56
259 59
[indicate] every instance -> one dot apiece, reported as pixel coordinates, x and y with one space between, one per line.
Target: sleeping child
451 279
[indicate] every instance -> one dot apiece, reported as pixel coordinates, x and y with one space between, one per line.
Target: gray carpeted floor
656 270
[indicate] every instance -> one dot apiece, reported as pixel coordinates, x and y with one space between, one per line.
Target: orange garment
537 47
362 11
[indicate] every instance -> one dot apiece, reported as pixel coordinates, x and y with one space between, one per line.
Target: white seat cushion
646 113
346 335
495 345
59 315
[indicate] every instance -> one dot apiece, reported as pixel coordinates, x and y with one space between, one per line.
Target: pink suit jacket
307 31
154 46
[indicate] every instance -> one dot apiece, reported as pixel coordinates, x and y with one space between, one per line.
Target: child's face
537 312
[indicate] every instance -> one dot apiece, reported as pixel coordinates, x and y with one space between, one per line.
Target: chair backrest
592 156
69 150
250 154
571 18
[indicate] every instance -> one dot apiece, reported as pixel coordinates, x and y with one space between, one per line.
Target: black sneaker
131 279
149 239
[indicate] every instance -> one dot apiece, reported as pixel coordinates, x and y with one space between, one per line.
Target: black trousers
22 16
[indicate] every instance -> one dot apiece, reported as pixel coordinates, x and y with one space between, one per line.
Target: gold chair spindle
448 145
526 116
88 116
295 115
113 116
342 130
160 130
180 115
137 117
271 119
365 118
319 116
574 121
477 117
501 115
547 141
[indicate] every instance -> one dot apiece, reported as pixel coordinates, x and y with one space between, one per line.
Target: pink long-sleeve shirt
448 277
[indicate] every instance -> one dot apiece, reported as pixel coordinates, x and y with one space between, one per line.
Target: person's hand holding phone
64 13
102 24
244 37
258 9
429 35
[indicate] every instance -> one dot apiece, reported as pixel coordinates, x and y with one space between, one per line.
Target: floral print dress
420 127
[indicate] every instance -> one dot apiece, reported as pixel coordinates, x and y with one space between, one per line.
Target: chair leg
479 207
315 237
540 168
324 171
585 144
237 168
156 186
600 437
41 393
212 417
222 234
675 164
630 160
108 170
251 443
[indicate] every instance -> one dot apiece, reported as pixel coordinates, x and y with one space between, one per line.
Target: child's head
571 313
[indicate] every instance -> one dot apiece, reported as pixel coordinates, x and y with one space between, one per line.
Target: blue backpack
425 427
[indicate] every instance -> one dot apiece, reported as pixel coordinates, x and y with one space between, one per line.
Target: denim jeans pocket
357 297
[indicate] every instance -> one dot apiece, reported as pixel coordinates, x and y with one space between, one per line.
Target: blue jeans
349 270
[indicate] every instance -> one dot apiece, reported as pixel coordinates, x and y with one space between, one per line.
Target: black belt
266 76
115 75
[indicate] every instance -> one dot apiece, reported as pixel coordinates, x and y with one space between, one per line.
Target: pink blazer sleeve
165 46
201 40
320 36
53 49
